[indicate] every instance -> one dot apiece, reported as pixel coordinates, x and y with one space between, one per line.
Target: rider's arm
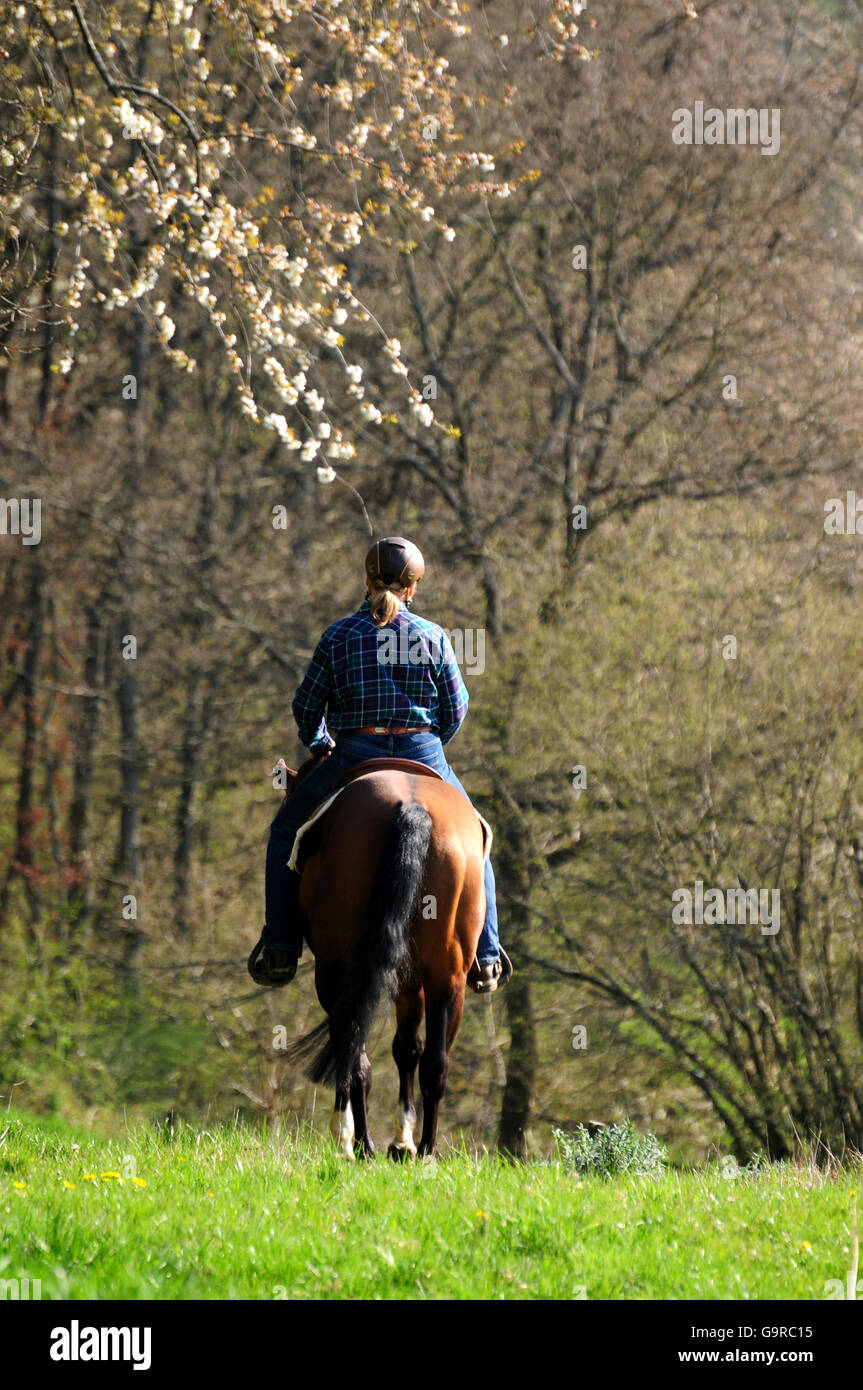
452 694
310 702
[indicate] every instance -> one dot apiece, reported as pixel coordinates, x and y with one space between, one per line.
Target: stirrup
272 965
485 979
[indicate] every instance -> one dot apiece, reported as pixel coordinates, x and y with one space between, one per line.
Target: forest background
275 279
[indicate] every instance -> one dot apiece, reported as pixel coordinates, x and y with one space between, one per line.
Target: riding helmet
395 560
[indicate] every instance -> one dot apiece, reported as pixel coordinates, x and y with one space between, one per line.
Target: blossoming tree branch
129 135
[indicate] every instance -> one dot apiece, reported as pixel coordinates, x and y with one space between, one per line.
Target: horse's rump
343 856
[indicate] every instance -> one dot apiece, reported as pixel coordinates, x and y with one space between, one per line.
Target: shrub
612 1150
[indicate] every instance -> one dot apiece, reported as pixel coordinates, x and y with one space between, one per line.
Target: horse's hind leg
342 1124
407 1050
443 1016
361 1085
328 982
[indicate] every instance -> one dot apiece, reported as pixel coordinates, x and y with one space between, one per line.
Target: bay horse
392 898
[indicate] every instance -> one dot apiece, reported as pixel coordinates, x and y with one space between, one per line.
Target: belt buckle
380 729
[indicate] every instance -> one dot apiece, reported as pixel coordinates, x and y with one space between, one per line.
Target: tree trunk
82 776
23 863
514 867
46 380
128 856
196 732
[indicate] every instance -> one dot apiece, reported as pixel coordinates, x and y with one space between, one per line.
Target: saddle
360 770
386 765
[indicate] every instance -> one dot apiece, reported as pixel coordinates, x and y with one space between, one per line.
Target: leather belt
381 729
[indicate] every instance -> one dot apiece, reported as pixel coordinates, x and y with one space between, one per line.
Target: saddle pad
376 765
307 825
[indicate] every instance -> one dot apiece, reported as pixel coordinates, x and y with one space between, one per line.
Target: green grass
239 1213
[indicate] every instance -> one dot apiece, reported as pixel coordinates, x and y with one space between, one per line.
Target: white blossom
280 425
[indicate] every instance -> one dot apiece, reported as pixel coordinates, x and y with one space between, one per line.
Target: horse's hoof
400 1153
366 1151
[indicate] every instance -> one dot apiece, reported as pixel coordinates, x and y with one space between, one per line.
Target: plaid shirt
402 674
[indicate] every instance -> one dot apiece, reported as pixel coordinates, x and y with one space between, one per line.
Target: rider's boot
274 963
491 975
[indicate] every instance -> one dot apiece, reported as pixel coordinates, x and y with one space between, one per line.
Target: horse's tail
380 951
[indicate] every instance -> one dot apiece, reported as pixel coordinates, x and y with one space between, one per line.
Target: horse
392 900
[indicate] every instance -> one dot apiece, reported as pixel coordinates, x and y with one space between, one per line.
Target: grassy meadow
241 1213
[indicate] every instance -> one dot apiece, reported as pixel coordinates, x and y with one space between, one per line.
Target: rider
396 693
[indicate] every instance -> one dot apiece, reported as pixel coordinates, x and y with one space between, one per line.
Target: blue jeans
282 883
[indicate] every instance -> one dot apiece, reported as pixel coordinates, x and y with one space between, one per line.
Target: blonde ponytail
384 601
